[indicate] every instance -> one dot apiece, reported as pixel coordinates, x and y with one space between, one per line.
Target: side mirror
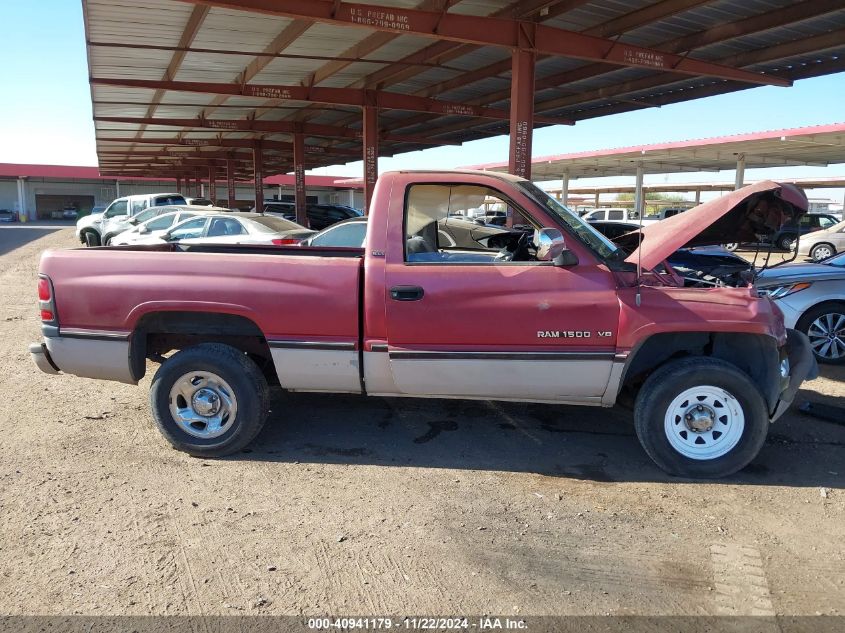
551 247
144 229
132 220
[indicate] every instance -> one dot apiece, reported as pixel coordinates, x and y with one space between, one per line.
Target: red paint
299 177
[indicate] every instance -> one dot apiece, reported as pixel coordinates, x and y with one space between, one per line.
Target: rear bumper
802 366
41 357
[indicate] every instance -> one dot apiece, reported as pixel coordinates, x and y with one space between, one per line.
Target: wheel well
158 333
756 355
823 304
817 244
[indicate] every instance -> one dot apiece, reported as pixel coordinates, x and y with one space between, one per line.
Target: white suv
91 228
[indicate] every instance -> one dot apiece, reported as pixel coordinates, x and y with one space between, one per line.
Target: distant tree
654 201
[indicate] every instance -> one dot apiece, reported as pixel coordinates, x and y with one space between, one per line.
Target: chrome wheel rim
203 404
827 336
704 423
822 252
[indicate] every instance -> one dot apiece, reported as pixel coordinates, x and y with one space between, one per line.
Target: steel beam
277 146
282 127
522 117
299 177
212 184
370 154
491 31
310 94
258 175
230 184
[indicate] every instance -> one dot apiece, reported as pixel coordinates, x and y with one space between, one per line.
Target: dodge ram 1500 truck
549 311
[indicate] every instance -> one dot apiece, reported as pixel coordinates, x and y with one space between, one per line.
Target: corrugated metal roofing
804 43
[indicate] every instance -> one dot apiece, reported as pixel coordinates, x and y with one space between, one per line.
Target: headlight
779 292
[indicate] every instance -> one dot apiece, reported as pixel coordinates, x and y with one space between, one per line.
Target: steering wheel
519 252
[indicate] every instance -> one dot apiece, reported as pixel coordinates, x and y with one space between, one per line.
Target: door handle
406 293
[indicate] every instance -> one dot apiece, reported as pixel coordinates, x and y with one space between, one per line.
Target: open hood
744 215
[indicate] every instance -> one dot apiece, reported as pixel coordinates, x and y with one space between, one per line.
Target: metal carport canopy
403 75
817 146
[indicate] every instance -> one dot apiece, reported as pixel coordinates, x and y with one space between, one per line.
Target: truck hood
744 215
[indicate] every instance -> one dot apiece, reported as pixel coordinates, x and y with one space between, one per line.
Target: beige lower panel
330 371
91 358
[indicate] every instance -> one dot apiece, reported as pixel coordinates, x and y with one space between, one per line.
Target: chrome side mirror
551 247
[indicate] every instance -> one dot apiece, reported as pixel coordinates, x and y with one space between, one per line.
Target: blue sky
45 114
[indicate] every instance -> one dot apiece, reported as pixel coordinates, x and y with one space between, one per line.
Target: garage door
50 207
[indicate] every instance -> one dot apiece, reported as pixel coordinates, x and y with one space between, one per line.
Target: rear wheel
700 417
822 251
786 242
824 325
209 400
731 246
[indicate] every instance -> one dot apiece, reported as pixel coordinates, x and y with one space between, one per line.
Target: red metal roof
83 172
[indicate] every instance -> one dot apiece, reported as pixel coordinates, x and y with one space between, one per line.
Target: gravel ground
351 505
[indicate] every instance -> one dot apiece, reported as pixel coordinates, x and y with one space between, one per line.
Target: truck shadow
550 440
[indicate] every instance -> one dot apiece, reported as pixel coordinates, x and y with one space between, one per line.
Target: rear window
162 201
273 224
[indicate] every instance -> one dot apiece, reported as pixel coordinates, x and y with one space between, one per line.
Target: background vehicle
156 225
120 224
70 213
90 228
200 202
822 244
784 239
232 228
319 215
8 216
812 298
612 214
411 315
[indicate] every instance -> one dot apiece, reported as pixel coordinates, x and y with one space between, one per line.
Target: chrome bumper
41 357
802 366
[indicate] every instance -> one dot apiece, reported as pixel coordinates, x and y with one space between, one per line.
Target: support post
299 177
117 188
596 201
564 189
370 154
230 183
179 184
521 120
22 211
740 171
212 184
258 175
697 197
639 206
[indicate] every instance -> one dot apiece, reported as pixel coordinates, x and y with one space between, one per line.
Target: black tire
814 252
810 316
785 242
91 239
731 246
107 240
246 381
671 380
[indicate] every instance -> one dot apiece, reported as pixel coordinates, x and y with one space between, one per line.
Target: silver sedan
812 298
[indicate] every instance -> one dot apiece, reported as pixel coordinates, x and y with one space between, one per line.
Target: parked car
319 215
812 298
785 238
452 232
157 225
561 316
120 224
822 244
611 214
233 228
663 214
69 213
8 216
90 228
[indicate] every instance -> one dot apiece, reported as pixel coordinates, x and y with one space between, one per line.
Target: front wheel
209 400
824 325
822 251
700 417
91 239
731 246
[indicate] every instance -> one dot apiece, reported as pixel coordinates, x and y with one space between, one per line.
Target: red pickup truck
547 311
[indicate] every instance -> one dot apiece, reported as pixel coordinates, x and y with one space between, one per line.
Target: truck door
464 320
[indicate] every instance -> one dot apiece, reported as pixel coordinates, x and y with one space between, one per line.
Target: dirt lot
349 505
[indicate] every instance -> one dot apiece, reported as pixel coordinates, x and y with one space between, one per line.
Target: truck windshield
606 249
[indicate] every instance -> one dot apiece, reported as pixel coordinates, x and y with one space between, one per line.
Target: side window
162 223
138 205
119 207
435 232
225 226
806 222
351 234
188 230
616 214
826 223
